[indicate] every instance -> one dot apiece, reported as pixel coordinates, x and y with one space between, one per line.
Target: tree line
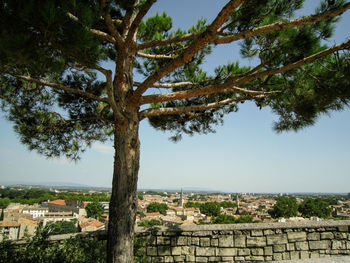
309 207
36 196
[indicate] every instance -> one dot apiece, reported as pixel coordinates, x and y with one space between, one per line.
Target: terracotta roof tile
58 202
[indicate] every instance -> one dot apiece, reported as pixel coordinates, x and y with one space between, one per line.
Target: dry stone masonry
247 242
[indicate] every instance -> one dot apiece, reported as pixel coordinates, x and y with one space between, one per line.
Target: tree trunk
123 204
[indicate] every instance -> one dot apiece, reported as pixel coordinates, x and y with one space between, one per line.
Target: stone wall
247 242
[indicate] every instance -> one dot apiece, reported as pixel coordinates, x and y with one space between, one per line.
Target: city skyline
244 155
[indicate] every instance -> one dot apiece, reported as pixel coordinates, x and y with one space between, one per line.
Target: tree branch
281 25
207 90
64 88
95 32
294 65
168 85
168 41
140 15
230 85
189 52
110 25
189 109
154 56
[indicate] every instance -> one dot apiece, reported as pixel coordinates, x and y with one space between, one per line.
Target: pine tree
52 51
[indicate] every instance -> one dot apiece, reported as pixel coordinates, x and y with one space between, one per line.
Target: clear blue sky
244 155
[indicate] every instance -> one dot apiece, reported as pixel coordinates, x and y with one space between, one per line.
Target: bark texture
123 204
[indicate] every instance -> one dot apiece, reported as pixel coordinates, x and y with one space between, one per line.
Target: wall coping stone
249 226
141 231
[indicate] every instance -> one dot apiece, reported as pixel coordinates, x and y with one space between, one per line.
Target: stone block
225 232
176 251
239 241
279 248
304 254
190 258
181 241
286 256
158 259
226 252
205 251
226 241
277 239
314 255
202 233
343 228
337 244
327 235
214 242
227 259
322 244
294 255
214 259
239 259
296 236
180 258
243 251
151 251
163 241
256 241
168 259
255 258
313 236
277 256
194 241
268 232
257 251
204 242
268 251
202 259
164 250
187 251
290 247
301 245
268 258
257 233
340 235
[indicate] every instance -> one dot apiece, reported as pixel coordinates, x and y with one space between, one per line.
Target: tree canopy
157 207
56 89
285 207
314 207
94 210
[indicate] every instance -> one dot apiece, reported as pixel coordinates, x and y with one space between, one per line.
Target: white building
35 211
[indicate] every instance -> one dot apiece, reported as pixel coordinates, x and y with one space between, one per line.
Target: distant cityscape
24 208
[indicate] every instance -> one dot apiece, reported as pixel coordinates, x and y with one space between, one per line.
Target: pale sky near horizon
244 155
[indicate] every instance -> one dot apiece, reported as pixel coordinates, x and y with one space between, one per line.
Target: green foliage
36 196
227 219
4 202
314 207
61 227
40 250
192 204
224 219
210 208
94 210
75 250
157 207
150 223
285 207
